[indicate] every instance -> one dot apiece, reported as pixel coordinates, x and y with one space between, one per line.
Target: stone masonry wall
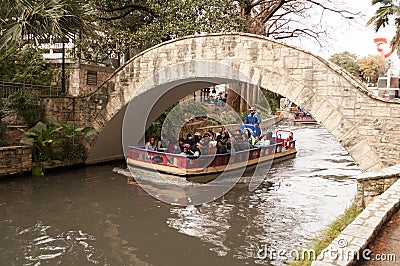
78 80
15 159
370 185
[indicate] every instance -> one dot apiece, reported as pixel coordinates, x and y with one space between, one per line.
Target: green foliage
226 118
272 98
175 117
155 127
39 19
347 61
27 105
45 137
328 235
71 140
370 67
41 137
153 22
25 66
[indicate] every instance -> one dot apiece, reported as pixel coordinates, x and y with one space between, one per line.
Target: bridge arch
363 123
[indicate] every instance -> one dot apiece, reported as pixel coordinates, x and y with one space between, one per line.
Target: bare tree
288 19
284 19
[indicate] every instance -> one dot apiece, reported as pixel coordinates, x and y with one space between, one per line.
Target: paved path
387 242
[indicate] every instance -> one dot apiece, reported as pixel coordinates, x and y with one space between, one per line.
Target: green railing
9 88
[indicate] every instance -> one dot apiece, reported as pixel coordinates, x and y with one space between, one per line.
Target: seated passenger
221 148
258 142
246 143
229 147
225 137
190 140
196 150
181 143
162 144
186 150
211 148
266 141
249 136
151 144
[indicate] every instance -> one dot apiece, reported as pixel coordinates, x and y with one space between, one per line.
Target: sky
353 36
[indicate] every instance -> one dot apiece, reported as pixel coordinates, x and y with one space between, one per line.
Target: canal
91 216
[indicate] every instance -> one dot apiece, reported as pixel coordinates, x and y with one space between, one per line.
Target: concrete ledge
349 246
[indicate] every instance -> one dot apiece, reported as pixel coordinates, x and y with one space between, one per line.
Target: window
91 77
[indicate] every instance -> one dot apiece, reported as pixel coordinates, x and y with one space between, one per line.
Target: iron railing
9 88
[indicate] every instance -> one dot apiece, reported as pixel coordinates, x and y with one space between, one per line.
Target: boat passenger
266 141
246 143
211 148
181 143
151 144
221 148
241 142
211 133
186 150
249 135
190 140
229 146
163 143
257 142
196 150
225 137
204 144
219 131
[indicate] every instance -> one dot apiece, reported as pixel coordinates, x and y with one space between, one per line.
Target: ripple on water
39 245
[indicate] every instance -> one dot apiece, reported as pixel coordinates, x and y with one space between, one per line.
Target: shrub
27 105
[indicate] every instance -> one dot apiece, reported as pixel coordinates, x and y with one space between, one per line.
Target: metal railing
9 88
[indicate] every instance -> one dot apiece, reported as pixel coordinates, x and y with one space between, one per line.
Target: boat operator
253 118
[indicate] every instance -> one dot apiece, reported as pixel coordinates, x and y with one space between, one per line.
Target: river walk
373 237
386 244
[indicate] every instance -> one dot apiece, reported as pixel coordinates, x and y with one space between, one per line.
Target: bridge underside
143 111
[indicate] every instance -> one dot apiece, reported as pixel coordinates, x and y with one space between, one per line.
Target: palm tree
387 10
29 21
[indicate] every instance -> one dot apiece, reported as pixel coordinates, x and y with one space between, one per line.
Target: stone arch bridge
367 126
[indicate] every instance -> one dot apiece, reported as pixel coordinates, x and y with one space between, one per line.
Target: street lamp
63 90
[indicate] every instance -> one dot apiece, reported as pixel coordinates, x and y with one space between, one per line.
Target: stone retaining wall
15 159
372 184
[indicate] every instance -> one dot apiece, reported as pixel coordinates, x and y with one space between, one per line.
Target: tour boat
304 118
189 166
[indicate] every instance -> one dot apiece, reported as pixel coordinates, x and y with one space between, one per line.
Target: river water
91 216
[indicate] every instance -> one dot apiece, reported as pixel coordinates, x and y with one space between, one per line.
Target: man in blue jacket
253 118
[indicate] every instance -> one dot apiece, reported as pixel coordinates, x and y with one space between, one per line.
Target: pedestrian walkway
385 248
